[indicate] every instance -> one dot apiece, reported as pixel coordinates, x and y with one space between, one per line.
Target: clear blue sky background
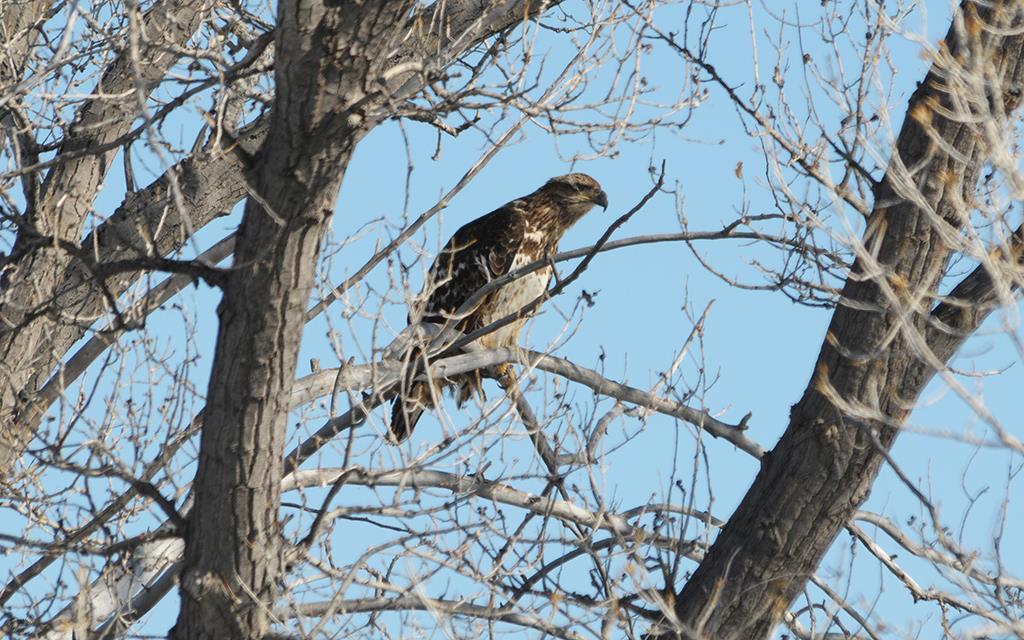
758 346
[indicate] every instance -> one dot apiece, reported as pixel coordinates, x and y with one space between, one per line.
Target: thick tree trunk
875 360
329 67
233 552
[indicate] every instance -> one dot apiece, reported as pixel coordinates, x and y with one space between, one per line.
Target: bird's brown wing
480 251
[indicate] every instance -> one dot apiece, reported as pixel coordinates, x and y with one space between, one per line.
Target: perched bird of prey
511 237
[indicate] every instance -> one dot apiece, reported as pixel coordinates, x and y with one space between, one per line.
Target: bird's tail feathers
470 384
406 410
410 404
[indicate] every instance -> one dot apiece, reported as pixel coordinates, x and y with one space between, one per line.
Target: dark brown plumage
489 247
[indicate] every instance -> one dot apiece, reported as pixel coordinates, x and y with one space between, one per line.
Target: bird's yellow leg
504 373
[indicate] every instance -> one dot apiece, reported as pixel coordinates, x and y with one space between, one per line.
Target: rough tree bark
877 356
329 64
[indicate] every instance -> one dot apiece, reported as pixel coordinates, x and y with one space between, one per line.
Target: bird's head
577 192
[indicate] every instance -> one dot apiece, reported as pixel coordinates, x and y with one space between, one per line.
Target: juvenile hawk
506 239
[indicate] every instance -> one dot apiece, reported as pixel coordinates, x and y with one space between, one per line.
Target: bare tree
272 503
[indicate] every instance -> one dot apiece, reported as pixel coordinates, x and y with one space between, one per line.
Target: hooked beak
601 199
